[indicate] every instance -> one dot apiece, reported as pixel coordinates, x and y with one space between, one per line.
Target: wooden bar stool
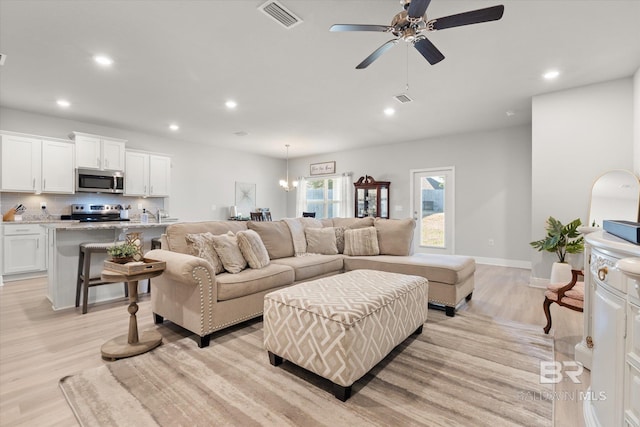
85 281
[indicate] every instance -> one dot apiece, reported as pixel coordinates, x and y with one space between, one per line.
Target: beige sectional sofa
197 295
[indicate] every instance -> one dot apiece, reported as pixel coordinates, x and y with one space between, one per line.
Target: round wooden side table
131 344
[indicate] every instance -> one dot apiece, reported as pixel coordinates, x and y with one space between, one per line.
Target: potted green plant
562 240
123 253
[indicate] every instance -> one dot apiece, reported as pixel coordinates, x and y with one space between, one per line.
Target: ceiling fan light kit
409 25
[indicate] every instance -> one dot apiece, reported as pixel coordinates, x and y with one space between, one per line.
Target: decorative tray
145 266
626 230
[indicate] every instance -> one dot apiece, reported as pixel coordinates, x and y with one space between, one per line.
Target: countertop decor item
627 230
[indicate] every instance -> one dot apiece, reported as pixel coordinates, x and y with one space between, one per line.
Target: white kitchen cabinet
612 332
21 160
24 248
99 152
57 167
147 174
159 175
34 164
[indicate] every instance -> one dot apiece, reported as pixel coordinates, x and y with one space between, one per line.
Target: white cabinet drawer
15 229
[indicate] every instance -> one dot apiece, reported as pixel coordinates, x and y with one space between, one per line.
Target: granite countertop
70 225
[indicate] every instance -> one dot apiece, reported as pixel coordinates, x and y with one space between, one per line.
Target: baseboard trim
504 262
538 282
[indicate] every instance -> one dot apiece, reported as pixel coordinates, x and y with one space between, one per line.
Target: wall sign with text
323 168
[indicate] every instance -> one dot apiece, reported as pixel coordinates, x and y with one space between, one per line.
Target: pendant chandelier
286 186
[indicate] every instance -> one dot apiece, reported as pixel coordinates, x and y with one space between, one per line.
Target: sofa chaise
198 295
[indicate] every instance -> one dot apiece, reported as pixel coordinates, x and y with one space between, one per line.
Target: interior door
432 204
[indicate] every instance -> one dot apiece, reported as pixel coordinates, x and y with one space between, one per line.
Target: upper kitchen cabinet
147 174
34 164
21 163
57 167
99 152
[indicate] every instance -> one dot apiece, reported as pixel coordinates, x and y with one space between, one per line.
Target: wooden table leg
130 344
133 309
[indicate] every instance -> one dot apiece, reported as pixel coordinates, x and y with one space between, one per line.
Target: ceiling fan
409 25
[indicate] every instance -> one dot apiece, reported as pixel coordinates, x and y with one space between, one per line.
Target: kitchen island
63 241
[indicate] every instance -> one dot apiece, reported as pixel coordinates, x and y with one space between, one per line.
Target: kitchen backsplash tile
60 204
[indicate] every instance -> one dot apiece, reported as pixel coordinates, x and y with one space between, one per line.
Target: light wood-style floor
39 346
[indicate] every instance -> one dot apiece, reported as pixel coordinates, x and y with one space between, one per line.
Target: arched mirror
615 196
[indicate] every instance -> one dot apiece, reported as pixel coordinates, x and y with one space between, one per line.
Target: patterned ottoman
340 327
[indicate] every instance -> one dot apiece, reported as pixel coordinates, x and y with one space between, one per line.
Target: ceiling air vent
403 98
2 58
283 16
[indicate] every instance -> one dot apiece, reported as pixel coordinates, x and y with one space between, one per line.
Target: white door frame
449 210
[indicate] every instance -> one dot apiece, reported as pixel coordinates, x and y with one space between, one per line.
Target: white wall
201 176
577 135
636 122
493 185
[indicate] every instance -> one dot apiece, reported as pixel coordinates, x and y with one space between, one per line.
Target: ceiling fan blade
466 18
417 8
359 27
429 51
376 54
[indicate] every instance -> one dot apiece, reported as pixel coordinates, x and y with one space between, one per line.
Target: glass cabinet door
371 198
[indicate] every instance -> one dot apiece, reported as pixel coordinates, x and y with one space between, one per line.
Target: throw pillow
253 249
339 238
321 241
226 246
361 241
201 245
297 234
395 236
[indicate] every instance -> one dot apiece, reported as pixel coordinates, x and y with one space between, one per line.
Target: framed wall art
245 198
323 168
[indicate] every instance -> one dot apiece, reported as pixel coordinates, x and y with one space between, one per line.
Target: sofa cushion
321 241
310 222
251 281
395 236
201 245
448 269
353 222
361 241
311 266
226 246
175 233
276 237
252 249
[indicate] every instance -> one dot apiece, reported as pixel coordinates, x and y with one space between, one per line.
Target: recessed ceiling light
550 75
174 127
389 111
511 113
63 103
231 104
103 60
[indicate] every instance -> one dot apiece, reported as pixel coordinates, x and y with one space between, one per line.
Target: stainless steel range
96 213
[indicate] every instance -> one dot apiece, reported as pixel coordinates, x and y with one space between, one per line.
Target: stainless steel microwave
96 181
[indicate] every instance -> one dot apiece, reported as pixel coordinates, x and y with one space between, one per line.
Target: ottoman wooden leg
341 393
450 311
274 359
418 331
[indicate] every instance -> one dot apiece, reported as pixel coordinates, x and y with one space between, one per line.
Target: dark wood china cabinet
371 198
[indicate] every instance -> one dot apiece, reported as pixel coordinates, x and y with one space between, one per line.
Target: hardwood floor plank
38 346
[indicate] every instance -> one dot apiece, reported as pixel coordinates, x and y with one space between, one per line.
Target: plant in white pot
562 240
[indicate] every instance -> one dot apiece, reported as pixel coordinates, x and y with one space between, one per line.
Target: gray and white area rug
468 370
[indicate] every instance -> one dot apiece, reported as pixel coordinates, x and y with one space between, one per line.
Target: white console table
611 342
